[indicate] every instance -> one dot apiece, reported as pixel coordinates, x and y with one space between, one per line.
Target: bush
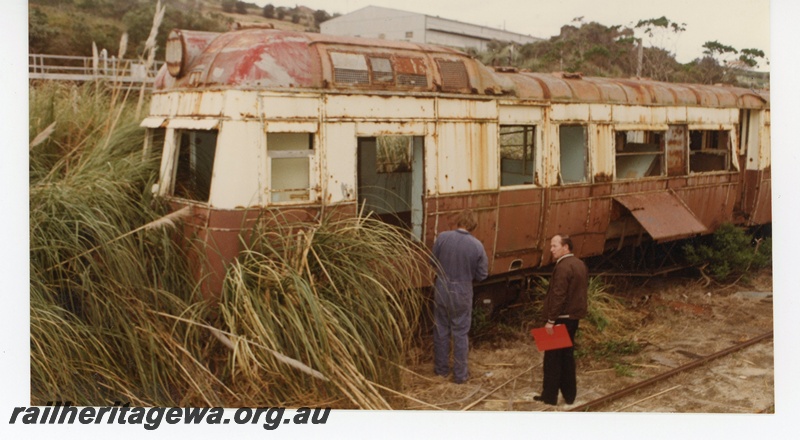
729 253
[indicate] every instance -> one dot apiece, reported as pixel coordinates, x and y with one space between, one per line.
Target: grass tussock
338 296
94 289
311 315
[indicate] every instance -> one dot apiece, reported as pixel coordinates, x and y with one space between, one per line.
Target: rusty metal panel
467 109
676 140
594 239
378 107
713 202
519 219
662 215
510 114
206 103
295 106
239 165
762 213
603 153
240 105
467 157
600 112
570 112
632 114
637 186
291 127
699 115
159 104
410 128
339 179
676 115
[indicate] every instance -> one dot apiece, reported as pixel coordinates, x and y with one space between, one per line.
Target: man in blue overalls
461 260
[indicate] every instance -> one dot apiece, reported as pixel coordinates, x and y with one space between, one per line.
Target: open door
391 179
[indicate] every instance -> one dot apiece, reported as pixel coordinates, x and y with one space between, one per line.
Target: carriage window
411 72
709 150
381 70
517 154
573 151
289 156
196 149
393 154
639 153
349 68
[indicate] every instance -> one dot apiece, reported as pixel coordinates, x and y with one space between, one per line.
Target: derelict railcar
260 119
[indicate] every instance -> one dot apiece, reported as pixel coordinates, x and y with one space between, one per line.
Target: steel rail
625 391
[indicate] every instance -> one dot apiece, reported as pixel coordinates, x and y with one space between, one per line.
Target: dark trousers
559 369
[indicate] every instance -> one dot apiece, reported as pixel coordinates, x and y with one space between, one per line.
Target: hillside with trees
69 27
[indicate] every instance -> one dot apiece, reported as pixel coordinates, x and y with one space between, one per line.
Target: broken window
639 153
573 151
709 150
393 154
196 149
517 154
290 164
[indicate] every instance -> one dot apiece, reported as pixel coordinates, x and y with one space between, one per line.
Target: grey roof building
393 24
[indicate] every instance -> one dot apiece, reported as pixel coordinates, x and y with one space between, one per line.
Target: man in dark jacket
565 303
461 260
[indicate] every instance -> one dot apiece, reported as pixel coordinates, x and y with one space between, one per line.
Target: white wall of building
392 24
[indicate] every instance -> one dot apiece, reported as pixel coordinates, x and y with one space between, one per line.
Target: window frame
534 156
310 154
727 152
661 154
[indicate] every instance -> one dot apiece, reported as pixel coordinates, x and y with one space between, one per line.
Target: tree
39 31
269 11
241 8
731 59
228 5
748 56
321 16
659 62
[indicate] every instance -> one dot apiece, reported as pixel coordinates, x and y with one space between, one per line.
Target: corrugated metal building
393 24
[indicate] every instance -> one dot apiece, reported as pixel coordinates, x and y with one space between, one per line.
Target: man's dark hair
566 241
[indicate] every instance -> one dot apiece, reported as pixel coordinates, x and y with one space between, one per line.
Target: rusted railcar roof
267 58
561 87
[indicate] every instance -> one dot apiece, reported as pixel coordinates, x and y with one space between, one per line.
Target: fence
71 68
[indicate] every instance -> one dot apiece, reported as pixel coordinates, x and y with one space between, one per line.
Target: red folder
559 338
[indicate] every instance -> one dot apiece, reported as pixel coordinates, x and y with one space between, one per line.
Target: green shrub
729 253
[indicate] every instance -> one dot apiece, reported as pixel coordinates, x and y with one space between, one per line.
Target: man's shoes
541 399
460 381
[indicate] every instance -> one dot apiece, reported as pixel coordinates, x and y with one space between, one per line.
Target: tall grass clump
95 287
311 313
338 295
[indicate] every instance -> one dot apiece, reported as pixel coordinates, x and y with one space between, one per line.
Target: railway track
604 401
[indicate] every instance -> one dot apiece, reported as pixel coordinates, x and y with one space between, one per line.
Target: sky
737 23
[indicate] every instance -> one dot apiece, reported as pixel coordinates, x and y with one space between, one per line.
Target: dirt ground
677 320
